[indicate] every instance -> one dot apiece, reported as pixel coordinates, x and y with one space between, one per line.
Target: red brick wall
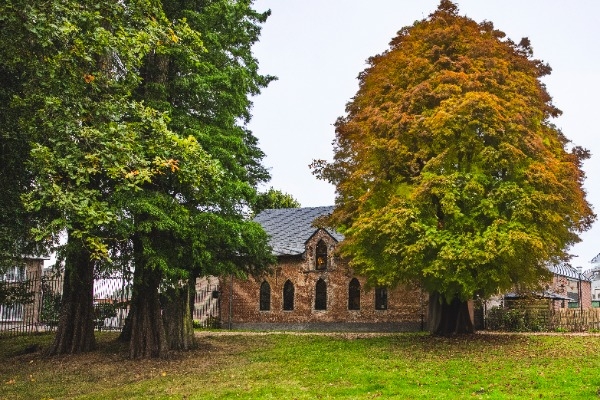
563 285
405 305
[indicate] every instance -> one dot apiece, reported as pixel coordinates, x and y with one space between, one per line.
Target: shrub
516 320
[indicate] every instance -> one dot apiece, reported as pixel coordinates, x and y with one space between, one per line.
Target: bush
51 302
516 320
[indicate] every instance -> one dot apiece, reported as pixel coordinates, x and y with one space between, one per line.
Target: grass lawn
313 366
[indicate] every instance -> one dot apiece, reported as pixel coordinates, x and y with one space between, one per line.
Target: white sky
317 48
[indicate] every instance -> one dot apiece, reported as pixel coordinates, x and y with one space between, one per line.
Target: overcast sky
316 48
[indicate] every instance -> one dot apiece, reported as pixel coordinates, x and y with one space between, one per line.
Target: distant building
571 282
26 274
569 288
593 275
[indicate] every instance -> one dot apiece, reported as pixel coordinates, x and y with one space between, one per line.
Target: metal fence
207 306
32 303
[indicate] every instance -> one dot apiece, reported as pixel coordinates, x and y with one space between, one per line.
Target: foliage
517 320
12 293
273 198
129 119
308 366
448 169
51 301
87 138
192 219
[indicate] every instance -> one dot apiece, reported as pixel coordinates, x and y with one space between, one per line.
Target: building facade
311 288
593 274
25 275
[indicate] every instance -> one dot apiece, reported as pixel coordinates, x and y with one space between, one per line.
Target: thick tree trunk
448 319
178 317
75 332
147 335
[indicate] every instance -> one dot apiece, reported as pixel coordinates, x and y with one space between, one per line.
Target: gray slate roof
566 270
290 228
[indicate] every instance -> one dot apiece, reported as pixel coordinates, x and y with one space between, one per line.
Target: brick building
593 275
569 288
570 282
312 288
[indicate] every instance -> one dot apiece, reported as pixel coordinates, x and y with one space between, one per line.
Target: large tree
130 117
449 170
86 141
183 229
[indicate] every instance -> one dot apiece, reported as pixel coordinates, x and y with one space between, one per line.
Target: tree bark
147 335
75 331
178 317
447 319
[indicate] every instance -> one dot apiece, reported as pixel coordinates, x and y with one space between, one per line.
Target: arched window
321 295
381 298
354 295
265 296
288 296
321 255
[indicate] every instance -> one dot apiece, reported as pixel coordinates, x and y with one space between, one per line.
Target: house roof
596 259
546 294
290 228
566 270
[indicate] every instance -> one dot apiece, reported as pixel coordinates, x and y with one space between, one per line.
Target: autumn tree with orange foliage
449 171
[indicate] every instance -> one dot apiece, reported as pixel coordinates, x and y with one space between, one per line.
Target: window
265 296
14 274
321 255
288 296
321 295
381 298
12 312
354 295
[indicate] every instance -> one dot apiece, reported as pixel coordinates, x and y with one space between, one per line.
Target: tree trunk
75 332
446 319
178 317
147 336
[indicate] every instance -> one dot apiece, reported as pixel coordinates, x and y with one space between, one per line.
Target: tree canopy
448 169
273 198
128 120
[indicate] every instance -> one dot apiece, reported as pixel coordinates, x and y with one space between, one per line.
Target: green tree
449 171
131 120
182 229
86 140
273 198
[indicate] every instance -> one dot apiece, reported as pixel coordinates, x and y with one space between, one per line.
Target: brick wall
406 307
563 285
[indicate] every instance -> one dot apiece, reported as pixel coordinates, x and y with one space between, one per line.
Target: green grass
311 366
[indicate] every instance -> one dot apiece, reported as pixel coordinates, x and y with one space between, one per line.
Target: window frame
320 303
12 313
15 273
381 298
354 295
264 300
288 303
321 255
